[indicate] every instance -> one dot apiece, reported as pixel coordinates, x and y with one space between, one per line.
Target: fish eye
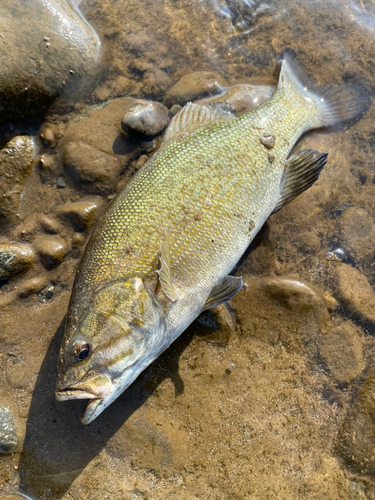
80 350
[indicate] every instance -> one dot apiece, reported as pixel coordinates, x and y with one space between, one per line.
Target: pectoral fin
164 272
224 291
301 171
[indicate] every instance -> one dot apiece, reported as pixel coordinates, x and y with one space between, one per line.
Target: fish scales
163 251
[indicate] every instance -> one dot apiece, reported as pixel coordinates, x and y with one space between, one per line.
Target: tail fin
335 103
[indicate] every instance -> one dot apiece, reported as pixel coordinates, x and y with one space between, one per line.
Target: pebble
341 350
176 108
52 250
31 286
14 258
8 431
49 134
141 161
60 183
355 291
16 159
49 225
145 118
194 86
82 213
336 255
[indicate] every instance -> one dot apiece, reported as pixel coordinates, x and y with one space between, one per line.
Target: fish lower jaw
67 394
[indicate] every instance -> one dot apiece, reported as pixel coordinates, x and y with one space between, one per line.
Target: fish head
121 331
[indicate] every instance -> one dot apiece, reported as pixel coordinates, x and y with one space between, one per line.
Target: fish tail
333 103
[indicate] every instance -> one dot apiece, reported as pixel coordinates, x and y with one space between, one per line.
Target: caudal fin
335 103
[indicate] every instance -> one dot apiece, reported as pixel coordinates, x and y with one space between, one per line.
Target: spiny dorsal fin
301 171
224 291
165 270
191 117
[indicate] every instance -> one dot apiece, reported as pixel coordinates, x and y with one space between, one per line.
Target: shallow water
280 405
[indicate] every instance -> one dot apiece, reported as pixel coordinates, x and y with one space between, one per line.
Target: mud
270 397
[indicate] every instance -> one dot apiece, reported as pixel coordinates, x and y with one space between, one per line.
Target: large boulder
45 47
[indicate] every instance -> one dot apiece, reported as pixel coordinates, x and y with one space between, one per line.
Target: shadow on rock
57 446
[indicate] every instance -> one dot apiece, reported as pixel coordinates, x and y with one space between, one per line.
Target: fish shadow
57 446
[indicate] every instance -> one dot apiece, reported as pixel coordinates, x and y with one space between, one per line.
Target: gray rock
16 159
194 86
14 259
56 49
145 118
8 431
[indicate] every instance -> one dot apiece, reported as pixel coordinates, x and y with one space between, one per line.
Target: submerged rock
355 291
16 159
341 350
357 233
31 286
82 213
145 118
37 63
8 431
194 86
52 250
95 152
14 259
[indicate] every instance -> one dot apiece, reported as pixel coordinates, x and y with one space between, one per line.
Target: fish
164 250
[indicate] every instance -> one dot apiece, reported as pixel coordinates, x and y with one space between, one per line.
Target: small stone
46 162
336 255
16 159
60 184
176 108
8 431
49 134
14 258
78 239
52 250
141 161
49 225
82 213
31 286
145 118
341 350
194 86
355 291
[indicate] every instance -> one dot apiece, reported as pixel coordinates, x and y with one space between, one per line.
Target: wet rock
357 233
194 86
341 349
55 50
8 431
82 213
14 259
16 159
52 250
356 439
49 134
50 225
31 286
60 183
145 118
141 161
95 153
281 310
176 108
355 291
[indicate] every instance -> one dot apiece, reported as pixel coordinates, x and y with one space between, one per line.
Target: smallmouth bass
164 250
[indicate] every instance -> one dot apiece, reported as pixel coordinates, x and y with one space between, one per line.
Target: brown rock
37 63
95 153
82 213
341 350
357 233
14 258
52 250
16 159
281 310
355 291
145 118
194 86
32 286
49 134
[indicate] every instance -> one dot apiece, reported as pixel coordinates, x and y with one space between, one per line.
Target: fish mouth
93 388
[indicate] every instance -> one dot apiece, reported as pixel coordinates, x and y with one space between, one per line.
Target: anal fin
301 171
223 291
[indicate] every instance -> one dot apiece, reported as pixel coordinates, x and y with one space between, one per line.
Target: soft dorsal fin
191 117
301 171
224 291
164 272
